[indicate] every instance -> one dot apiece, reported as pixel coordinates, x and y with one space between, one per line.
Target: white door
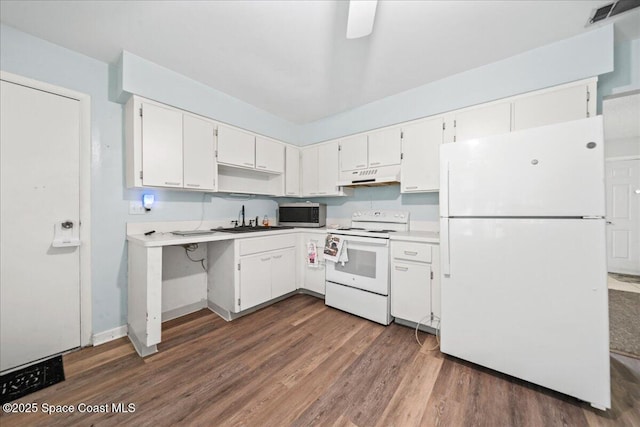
528 297
353 153
555 170
420 167
199 154
623 216
292 171
484 121
161 146
384 147
236 147
39 167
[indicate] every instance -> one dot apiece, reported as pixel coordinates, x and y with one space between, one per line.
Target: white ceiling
292 58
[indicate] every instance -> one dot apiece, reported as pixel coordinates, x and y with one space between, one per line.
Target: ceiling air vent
613 9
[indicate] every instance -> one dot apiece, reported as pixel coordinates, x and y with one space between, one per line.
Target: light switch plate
136 208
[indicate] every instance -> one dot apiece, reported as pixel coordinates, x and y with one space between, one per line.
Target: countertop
167 239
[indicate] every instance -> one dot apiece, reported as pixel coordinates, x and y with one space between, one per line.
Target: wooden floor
301 363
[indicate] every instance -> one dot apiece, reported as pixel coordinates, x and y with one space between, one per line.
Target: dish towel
312 255
335 249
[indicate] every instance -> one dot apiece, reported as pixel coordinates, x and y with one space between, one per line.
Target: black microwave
302 214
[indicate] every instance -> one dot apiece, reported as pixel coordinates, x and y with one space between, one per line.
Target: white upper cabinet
376 149
328 161
235 147
269 155
420 167
309 173
292 171
384 147
353 153
161 146
557 106
320 171
200 169
482 121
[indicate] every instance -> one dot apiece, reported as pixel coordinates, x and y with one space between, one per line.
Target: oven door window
361 263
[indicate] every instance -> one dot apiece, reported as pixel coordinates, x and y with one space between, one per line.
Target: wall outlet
136 208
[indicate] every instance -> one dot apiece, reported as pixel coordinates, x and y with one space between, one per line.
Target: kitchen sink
247 229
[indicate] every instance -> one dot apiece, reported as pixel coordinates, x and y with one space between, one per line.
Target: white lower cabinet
246 272
312 276
255 280
415 283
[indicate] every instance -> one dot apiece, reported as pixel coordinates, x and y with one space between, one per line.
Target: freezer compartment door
528 297
550 171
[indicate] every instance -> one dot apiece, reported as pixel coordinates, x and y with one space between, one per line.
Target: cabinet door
411 291
548 108
420 167
384 147
199 153
484 121
283 272
309 173
328 169
255 280
292 171
314 277
235 147
269 155
161 146
353 153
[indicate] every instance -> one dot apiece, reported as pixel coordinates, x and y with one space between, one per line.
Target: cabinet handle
261 167
291 192
412 253
312 194
171 183
401 268
322 192
277 256
193 185
374 163
360 166
413 187
265 259
248 164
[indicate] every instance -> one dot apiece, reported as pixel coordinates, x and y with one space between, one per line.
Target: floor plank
299 362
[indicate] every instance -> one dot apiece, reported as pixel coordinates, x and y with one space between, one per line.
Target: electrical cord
437 328
201 212
192 247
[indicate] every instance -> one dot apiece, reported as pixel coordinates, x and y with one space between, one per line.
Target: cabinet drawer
420 252
264 244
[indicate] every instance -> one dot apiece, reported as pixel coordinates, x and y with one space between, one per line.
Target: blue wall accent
586 55
141 77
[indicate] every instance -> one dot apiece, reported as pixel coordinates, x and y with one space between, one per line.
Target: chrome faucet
243 224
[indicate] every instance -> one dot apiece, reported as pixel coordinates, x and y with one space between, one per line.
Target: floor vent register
17 384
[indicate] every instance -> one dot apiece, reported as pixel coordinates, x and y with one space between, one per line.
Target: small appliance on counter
302 214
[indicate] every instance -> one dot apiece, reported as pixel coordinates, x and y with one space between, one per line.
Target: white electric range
361 285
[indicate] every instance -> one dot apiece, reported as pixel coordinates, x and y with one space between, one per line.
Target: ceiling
291 58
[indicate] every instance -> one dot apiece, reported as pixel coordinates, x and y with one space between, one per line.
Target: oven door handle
364 241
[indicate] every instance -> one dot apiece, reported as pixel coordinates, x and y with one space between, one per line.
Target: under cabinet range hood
382 175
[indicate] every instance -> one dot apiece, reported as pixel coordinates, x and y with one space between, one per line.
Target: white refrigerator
524 286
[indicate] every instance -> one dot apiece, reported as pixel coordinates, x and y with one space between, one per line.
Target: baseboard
184 310
310 292
110 335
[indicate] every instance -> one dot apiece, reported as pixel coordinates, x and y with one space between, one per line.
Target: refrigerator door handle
444 246
444 189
